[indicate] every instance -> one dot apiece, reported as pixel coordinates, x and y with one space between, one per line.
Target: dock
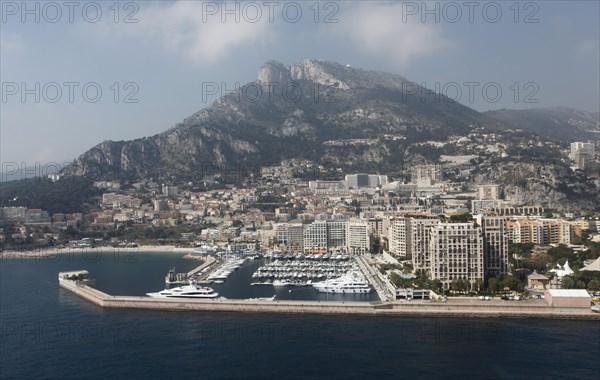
207 261
173 278
458 308
375 279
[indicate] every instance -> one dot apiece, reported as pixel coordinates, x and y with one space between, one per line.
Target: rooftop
568 293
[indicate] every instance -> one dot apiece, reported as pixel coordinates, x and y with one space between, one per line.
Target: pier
451 308
207 261
375 279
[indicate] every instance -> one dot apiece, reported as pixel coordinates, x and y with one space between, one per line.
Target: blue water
48 332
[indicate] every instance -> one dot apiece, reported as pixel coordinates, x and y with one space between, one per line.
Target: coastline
51 252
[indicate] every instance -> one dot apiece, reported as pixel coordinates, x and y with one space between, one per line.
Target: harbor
310 276
450 308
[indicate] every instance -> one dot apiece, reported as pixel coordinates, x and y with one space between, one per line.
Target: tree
568 282
539 261
376 247
461 218
511 283
459 285
493 284
594 285
436 285
520 249
593 250
561 252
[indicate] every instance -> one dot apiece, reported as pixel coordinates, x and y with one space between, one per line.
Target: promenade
374 279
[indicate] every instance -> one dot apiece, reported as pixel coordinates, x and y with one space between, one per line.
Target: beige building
568 298
537 281
410 237
456 253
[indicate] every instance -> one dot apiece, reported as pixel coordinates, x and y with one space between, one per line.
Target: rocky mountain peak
327 73
274 72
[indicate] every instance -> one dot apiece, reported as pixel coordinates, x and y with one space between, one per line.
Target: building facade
456 253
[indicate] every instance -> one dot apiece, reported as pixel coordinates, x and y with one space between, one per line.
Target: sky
77 73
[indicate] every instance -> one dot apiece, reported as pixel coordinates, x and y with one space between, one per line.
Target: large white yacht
192 290
351 282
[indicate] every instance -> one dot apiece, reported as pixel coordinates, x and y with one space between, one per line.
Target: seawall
393 308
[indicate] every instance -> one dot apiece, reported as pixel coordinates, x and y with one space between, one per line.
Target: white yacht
351 282
192 290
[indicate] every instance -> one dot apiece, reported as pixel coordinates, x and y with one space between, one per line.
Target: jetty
450 308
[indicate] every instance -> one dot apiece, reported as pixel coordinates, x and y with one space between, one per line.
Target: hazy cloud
378 30
182 29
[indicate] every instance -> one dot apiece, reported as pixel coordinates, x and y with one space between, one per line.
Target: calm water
50 333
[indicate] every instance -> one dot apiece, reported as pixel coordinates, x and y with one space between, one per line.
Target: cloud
378 30
193 31
10 42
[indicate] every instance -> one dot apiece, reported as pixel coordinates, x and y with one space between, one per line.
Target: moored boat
192 290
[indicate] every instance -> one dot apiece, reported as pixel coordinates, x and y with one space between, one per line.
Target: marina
302 276
299 271
451 308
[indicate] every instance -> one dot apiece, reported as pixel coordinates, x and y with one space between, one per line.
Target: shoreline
51 252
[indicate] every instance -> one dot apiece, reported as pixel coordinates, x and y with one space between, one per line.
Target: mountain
559 123
322 111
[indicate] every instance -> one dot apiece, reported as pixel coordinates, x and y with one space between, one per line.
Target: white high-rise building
410 237
418 242
336 234
456 253
290 236
397 237
582 153
315 236
357 237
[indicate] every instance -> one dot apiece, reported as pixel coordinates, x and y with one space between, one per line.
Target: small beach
50 252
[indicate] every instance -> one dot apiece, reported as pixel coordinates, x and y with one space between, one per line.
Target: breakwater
391 308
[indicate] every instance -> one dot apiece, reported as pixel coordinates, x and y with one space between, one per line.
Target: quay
451 308
207 261
375 279
173 278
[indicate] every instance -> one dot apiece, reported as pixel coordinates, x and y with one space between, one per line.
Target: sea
50 333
